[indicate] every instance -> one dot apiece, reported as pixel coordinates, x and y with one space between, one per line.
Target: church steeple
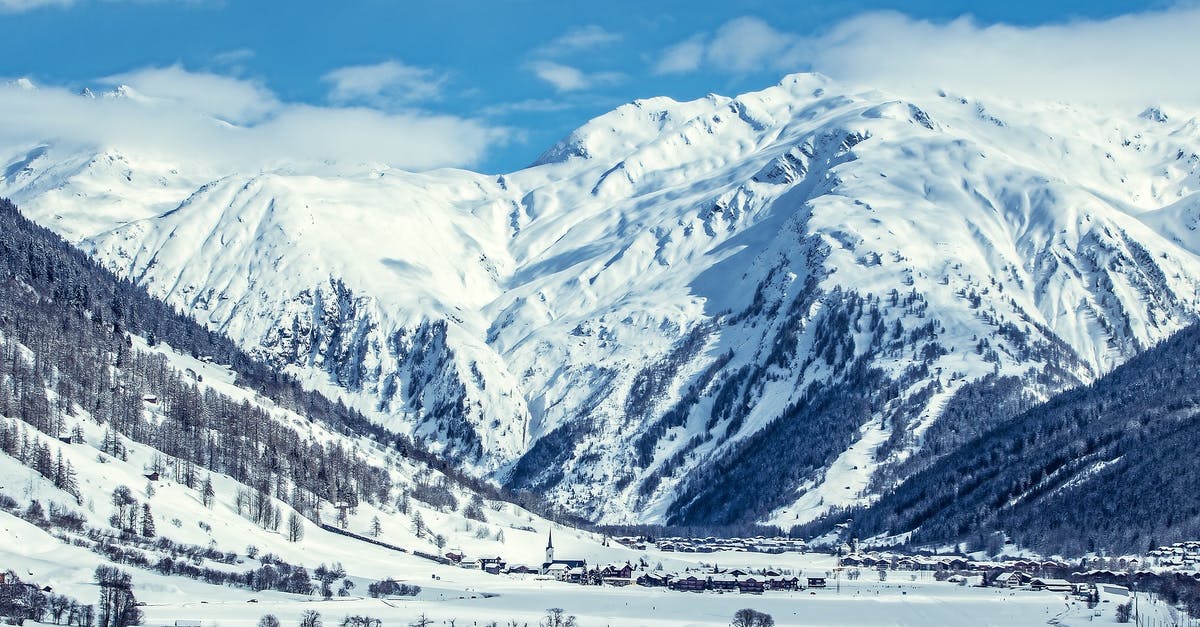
550 547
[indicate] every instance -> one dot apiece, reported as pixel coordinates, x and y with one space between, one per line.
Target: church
562 569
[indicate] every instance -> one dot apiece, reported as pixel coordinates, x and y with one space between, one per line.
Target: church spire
550 547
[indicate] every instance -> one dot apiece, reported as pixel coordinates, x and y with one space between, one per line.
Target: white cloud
19 6
684 56
533 105
381 83
567 78
578 39
230 99
749 44
741 45
1130 60
230 123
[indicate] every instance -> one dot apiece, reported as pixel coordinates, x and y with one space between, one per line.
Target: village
1080 580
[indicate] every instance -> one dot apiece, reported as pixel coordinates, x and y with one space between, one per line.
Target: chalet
955 563
816 582
723 582
622 571
751 585
737 572
690 583
653 580
1051 585
783 582
1011 579
520 569
152 476
576 574
455 555
491 565
150 399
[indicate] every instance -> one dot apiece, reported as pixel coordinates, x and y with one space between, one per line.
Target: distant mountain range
750 309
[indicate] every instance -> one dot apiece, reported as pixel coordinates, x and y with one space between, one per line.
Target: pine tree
376 528
206 493
147 522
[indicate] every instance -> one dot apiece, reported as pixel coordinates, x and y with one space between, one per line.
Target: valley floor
471 598
861 603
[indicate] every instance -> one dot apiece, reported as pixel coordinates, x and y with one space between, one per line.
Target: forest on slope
66 325
1105 467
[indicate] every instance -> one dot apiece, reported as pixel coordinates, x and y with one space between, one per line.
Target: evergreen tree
206 493
147 522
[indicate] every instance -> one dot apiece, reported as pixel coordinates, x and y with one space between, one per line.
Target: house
455 555
723 582
751 585
783 582
956 563
152 476
816 582
576 574
150 399
559 567
520 569
1051 585
1011 579
623 571
653 580
690 583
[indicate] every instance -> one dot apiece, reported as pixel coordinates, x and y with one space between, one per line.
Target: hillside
123 442
1106 467
681 303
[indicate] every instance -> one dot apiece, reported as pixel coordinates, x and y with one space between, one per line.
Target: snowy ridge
675 280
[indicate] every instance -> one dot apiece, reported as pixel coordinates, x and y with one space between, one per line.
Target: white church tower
550 548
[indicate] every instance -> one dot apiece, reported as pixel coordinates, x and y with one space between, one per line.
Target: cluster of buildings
759 544
895 561
730 580
1179 555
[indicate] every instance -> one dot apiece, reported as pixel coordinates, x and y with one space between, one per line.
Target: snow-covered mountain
712 311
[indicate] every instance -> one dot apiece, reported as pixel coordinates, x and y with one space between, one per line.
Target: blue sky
512 77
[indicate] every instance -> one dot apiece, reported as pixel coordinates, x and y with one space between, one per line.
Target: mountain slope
119 448
1107 466
780 290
